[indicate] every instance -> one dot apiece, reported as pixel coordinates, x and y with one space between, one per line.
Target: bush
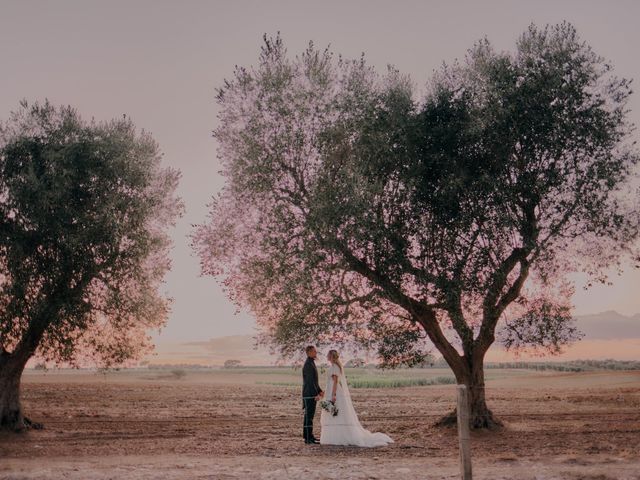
232 363
355 363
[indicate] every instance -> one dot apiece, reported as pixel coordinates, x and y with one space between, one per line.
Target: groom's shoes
312 441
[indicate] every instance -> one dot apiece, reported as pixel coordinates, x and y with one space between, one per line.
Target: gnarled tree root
487 421
21 425
29 424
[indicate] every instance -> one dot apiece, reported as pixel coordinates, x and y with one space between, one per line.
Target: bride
344 428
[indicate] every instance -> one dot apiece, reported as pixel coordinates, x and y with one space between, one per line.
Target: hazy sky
159 62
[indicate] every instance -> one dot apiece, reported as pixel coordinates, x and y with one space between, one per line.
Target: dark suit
310 390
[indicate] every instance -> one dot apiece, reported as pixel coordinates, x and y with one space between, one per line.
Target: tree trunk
11 418
479 414
468 369
10 411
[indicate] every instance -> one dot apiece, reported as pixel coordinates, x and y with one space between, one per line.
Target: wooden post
464 437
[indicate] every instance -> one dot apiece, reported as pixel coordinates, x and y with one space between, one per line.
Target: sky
159 63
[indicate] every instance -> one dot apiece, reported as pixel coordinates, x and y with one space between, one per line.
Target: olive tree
84 207
355 212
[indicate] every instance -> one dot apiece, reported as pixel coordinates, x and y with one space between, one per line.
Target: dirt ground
213 426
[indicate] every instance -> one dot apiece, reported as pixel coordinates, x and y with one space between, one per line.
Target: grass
379 381
570 366
399 382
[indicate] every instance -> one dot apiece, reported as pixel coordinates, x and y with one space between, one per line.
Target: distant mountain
607 335
213 352
609 325
233 342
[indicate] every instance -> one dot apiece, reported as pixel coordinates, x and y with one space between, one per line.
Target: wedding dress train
345 428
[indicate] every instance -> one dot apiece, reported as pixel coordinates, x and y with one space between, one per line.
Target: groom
311 393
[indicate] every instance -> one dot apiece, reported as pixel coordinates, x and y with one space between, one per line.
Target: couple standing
339 421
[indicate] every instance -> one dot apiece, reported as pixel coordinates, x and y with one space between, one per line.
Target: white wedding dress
345 428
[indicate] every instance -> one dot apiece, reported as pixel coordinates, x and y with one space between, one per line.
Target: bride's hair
335 358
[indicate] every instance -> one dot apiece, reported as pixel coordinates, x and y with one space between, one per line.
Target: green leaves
544 326
354 212
84 208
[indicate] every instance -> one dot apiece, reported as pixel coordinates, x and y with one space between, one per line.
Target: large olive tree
355 212
84 209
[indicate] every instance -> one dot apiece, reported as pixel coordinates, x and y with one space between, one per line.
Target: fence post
464 437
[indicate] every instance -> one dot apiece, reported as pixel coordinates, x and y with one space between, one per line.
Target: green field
364 377
291 377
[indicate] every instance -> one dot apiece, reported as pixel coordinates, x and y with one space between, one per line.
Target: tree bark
12 366
479 416
468 370
11 417
472 375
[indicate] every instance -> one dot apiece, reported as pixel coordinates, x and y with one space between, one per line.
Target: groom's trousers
309 412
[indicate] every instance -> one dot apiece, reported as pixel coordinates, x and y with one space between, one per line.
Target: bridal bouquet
329 407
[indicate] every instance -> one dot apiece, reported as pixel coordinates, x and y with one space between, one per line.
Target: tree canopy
356 211
84 208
